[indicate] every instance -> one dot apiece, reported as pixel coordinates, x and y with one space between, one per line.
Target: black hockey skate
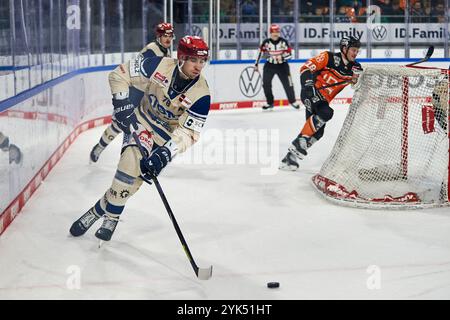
95 152
295 105
267 107
5 144
80 226
106 231
299 146
289 163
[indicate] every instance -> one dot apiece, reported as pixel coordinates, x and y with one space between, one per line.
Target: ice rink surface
252 227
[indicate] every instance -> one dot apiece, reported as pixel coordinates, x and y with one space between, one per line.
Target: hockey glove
357 71
309 89
151 167
124 115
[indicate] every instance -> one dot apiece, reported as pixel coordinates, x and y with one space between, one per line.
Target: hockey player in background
15 155
278 53
167 122
325 69
440 100
158 48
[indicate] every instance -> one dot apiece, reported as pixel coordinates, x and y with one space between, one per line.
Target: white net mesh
393 148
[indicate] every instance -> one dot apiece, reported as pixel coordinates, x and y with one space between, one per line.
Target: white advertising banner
319 33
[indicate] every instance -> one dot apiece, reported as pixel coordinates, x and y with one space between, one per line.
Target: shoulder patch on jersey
135 65
185 101
337 61
160 79
193 123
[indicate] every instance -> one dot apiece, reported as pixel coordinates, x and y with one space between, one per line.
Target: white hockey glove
357 71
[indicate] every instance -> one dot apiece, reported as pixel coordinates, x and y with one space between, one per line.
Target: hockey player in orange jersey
326 69
158 48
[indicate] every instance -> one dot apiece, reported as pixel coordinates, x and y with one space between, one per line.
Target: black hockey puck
273 285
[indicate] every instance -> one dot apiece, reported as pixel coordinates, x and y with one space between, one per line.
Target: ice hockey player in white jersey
160 48
173 112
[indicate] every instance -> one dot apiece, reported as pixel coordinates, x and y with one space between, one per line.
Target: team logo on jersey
337 61
124 194
250 82
160 109
288 31
379 33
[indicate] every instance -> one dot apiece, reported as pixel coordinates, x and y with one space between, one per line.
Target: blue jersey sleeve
200 108
149 65
149 54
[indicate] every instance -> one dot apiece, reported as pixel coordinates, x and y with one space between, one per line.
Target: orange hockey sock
309 128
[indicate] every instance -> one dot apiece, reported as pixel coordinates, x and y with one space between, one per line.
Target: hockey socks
312 125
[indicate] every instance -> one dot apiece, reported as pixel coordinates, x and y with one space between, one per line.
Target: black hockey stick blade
424 59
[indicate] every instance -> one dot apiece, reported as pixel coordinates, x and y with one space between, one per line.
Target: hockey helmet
349 42
164 28
192 46
275 28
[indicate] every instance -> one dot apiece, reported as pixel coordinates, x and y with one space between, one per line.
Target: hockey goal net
393 148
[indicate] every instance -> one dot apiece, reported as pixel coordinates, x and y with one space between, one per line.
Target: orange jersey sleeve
316 63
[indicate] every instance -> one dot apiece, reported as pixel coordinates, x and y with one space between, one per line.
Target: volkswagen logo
288 31
379 33
196 31
250 82
388 53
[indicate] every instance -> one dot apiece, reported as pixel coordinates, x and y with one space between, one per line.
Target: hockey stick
334 84
424 59
201 273
428 55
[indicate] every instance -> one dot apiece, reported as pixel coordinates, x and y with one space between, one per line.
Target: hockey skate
15 155
109 224
299 146
295 105
267 107
5 144
95 152
289 163
80 226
